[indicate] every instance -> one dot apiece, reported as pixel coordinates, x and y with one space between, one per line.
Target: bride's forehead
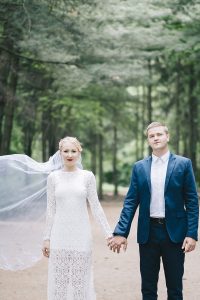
68 145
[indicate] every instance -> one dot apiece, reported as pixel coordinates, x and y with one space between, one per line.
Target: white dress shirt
158 175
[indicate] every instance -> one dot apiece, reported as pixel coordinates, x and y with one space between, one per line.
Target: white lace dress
68 228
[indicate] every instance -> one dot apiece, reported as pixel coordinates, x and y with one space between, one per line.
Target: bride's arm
96 207
51 210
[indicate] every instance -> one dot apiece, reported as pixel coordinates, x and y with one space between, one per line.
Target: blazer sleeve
191 202
131 203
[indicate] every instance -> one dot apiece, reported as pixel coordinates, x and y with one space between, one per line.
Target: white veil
23 208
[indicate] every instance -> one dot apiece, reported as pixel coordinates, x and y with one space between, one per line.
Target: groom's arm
129 208
191 202
192 208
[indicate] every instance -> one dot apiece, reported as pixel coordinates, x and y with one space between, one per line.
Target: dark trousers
160 246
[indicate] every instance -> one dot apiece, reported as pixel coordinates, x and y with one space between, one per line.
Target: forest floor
117 276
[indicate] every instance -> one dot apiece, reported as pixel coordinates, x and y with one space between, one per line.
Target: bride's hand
117 242
46 248
108 239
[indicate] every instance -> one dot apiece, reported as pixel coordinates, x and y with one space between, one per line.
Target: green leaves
87 67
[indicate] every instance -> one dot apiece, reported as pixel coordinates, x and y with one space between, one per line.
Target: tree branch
69 63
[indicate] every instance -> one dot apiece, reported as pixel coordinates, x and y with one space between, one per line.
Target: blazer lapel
170 167
147 167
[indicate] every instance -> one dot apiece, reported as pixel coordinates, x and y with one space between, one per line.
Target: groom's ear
168 137
147 140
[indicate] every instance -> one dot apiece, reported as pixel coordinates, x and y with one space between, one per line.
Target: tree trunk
143 122
10 106
149 96
178 111
94 153
193 117
100 189
29 124
5 63
137 103
28 139
44 136
115 171
52 142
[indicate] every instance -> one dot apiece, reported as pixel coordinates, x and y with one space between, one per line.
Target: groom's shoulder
142 161
180 158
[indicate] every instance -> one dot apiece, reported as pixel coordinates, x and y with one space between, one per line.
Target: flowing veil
23 208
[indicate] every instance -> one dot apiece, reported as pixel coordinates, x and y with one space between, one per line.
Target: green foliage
88 68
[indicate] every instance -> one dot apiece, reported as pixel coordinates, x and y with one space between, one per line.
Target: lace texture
68 228
70 275
96 207
51 207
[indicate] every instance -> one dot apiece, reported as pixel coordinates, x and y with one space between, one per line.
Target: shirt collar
164 158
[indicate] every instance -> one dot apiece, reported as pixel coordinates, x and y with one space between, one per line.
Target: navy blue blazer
181 201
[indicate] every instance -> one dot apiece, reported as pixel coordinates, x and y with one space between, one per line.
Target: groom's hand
117 242
188 244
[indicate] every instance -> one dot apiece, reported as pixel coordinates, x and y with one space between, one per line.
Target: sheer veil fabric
23 208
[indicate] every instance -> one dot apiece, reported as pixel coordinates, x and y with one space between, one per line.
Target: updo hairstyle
72 140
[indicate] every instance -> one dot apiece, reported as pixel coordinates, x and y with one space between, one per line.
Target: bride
67 235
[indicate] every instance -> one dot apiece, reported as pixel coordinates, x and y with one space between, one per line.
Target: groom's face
158 138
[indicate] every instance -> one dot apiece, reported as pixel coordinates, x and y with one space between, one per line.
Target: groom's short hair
156 124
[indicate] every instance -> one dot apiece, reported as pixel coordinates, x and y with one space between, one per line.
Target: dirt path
116 275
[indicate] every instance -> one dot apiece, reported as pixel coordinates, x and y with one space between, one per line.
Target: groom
163 186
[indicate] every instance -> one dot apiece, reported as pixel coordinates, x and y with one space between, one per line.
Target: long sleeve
131 203
191 202
51 206
96 207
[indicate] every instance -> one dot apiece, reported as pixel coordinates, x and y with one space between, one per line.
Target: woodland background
100 71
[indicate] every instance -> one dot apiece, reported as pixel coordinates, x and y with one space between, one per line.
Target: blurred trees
100 71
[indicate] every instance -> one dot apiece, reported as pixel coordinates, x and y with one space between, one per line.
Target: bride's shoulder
53 174
87 173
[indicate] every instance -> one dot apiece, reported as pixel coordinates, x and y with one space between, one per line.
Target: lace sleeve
51 206
96 207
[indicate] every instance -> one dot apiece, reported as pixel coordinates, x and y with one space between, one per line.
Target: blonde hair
156 124
72 140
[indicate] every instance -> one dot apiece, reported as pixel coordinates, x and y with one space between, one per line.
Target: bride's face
70 154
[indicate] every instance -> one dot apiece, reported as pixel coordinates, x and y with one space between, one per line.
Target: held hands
188 244
46 248
115 243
